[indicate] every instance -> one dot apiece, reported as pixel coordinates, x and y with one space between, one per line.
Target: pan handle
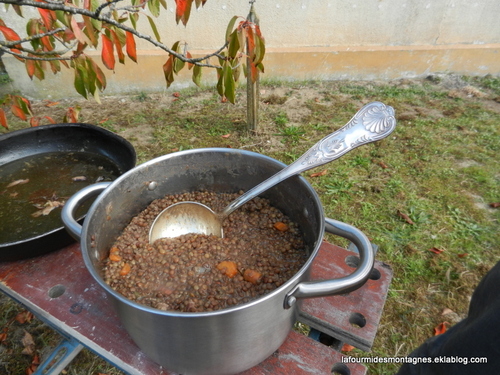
75 201
310 289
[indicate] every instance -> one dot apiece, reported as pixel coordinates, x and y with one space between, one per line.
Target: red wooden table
58 289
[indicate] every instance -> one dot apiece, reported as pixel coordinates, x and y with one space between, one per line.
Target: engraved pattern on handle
372 123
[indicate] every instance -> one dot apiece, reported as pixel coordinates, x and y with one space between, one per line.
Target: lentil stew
261 250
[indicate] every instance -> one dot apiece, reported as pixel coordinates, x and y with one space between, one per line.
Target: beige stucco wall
315 39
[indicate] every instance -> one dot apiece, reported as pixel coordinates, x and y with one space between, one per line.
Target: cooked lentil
193 272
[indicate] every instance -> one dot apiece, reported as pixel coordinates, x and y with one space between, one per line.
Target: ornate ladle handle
371 123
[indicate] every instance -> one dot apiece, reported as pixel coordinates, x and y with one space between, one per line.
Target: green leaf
155 30
63 17
80 82
33 28
220 82
91 81
154 7
55 65
222 58
197 75
94 4
229 84
230 27
236 70
39 72
234 44
133 19
260 49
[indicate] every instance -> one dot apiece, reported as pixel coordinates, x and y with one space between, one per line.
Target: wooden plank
352 318
60 291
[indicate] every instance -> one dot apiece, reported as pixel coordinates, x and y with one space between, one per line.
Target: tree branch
30 38
97 16
20 55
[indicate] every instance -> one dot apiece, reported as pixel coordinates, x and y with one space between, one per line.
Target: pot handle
75 201
310 289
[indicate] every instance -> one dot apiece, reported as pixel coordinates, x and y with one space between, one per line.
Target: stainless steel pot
237 338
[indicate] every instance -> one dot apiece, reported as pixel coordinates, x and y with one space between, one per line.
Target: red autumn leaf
435 250
48 17
176 94
118 47
189 56
24 316
441 328
9 34
183 10
225 136
18 112
34 122
495 205
405 217
463 255
3 335
131 48
347 348
71 115
51 104
108 58
168 70
3 119
30 68
250 43
319 174
35 362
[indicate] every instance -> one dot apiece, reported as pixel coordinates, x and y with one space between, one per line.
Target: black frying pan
56 140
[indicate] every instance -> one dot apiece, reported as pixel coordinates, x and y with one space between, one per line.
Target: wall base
310 63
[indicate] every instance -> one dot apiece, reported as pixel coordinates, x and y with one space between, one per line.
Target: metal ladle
371 123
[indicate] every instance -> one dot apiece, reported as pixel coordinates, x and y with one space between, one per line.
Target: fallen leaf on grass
51 104
28 343
405 217
441 328
435 250
24 316
447 311
319 174
380 163
3 335
347 348
463 255
495 205
225 136
35 362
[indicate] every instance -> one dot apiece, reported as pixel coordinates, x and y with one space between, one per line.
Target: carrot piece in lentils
125 269
252 276
228 268
282 227
114 257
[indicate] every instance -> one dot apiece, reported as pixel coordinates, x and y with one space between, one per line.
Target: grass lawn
426 195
